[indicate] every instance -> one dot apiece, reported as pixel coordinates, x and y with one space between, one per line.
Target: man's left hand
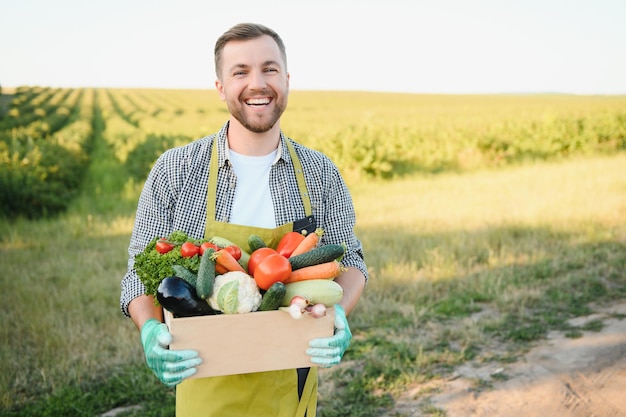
328 351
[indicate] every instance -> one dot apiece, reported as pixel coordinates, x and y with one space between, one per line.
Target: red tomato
273 268
188 250
207 245
163 246
257 256
288 243
234 250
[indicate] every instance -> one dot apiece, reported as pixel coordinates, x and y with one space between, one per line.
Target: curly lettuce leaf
152 267
178 237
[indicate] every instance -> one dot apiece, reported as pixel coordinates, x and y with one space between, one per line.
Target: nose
257 80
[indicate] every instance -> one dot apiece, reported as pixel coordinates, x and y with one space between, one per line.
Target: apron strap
213 169
307 407
211 201
304 192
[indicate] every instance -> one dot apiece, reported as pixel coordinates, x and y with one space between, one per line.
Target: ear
220 89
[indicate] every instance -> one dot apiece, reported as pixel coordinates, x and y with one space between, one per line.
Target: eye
271 69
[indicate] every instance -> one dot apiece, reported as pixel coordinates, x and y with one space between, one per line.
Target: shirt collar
224 151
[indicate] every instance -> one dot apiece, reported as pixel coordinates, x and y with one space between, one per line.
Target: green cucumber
273 297
255 242
206 275
182 272
318 255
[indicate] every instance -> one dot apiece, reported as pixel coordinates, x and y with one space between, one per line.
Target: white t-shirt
253 204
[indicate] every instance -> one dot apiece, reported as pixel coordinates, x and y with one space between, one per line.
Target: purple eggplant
179 297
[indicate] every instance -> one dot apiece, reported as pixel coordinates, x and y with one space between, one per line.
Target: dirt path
561 377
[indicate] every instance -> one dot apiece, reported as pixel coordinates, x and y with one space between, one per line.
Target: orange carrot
327 270
310 241
219 269
224 258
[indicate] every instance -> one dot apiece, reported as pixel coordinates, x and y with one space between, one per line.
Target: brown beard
258 127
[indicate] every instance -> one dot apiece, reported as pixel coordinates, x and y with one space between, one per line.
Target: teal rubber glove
170 366
328 351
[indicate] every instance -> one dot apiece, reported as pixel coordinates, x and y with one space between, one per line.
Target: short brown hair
242 32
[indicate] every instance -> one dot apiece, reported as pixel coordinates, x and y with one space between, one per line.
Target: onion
317 310
295 311
299 301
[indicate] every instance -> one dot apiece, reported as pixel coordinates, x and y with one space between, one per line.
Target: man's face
254 82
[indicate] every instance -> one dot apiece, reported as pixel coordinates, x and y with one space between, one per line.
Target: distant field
487 221
47 134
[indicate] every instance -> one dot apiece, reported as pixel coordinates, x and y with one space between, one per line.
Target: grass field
531 246
469 266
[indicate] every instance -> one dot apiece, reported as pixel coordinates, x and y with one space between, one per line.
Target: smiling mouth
258 101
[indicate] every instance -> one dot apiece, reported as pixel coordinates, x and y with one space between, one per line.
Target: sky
410 46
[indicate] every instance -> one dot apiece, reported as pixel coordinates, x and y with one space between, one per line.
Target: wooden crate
244 343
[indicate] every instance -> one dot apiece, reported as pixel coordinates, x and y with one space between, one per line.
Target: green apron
273 393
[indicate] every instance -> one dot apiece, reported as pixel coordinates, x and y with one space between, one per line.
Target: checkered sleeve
151 220
168 202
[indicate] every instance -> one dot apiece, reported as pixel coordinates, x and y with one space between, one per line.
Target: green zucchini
273 297
318 255
206 275
220 241
182 272
255 242
325 291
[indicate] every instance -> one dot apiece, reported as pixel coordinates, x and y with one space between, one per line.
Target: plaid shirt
174 198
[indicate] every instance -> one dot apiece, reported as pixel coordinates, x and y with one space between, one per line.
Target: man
248 178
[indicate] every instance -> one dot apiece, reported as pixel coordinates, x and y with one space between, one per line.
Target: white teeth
258 101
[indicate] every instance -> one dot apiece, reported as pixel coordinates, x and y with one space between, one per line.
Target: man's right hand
170 366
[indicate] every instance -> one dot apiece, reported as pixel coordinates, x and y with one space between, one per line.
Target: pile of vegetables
191 277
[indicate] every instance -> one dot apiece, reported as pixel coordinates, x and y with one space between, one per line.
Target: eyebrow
272 62
265 64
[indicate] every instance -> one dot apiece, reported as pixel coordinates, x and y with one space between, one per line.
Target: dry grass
473 267
457 263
